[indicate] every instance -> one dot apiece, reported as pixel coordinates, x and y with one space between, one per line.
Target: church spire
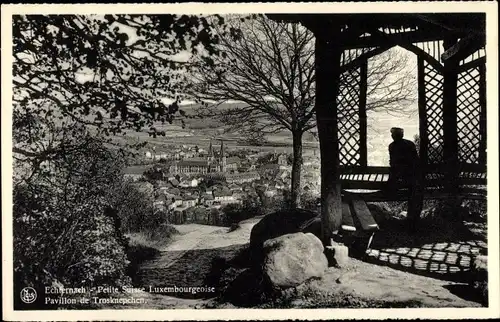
222 153
210 158
210 150
223 162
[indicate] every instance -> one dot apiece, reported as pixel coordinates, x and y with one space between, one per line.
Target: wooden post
422 116
362 115
450 136
416 200
328 53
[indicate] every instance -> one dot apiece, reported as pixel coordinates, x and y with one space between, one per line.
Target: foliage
134 207
434 150
310 202
110 71
266 159
475 208
76 77
62 223
234 213
211 180
154 174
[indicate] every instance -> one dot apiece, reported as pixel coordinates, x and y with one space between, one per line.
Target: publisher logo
28 295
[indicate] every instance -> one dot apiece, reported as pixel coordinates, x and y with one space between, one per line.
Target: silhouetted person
405 173
403 160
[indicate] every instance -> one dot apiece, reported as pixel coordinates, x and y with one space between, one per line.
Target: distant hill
200 131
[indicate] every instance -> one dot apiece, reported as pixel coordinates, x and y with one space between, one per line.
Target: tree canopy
110 72
270 69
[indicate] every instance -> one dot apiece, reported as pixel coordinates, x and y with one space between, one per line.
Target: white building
189 183
189 202
225 197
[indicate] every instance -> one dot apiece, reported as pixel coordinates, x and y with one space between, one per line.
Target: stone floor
443 252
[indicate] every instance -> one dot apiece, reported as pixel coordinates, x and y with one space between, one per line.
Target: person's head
397 133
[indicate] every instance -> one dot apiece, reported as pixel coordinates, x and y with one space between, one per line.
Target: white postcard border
490 8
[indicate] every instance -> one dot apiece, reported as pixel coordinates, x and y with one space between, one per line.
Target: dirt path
191 237
187 260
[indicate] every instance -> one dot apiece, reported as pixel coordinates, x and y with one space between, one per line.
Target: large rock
281 223
292 259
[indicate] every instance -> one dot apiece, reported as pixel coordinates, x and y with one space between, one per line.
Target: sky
377 131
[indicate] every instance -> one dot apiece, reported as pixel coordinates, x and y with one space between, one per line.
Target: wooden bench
358 225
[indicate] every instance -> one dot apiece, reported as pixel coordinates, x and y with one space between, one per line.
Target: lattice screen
469 115
475 55
348 117
433 81
350 55
433 48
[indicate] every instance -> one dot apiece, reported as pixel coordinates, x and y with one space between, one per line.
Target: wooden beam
380 185
328 53
417 51
462 22
471 64
463 48
347 220
364 57
376 40
364 216
378 196
463 167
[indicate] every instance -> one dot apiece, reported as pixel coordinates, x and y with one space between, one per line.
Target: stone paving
444 253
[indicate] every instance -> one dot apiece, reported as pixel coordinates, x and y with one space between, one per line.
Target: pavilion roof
416 27
469 22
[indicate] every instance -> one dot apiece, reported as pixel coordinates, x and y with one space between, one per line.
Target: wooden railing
374 178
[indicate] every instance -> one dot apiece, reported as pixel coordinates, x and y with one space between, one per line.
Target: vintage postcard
224 161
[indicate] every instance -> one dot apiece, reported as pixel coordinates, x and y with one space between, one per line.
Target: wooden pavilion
450 50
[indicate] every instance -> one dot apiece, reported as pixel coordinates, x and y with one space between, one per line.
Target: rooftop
251 174
223 193
135 169
193 163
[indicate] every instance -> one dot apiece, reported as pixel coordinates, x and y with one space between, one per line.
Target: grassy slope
201 131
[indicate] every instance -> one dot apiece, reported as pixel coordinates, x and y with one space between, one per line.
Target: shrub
434 150
235 213
63 230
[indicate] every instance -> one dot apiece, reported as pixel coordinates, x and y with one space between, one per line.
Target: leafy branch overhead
110 71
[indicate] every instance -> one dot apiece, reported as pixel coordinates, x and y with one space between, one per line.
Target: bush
63 229
236 213
475 208
434 150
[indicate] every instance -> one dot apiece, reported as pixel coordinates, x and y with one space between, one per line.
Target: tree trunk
296 169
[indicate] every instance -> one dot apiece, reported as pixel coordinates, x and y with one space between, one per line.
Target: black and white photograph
219 157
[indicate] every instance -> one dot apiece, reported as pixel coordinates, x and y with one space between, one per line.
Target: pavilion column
328 54
450 145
